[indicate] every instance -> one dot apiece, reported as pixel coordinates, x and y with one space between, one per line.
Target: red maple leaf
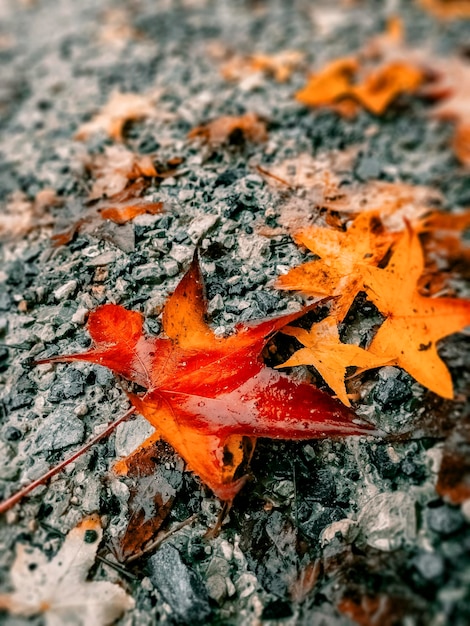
205 394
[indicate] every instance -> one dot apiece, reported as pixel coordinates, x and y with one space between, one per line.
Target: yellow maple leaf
324 350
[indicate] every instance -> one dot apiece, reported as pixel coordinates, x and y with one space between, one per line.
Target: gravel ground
325 528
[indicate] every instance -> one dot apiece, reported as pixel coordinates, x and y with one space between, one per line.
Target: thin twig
153 545
12 500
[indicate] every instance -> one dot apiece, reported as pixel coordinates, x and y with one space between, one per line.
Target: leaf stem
12 500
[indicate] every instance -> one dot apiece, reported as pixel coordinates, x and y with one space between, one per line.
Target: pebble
444 519
59 430
70 385
388 520
429 564
65 291
180 587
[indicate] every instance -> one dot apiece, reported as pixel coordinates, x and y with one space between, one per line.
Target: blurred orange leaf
280 65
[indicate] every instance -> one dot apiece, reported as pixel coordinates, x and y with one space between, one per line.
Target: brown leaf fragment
21 215
120 109
115 168
119 209
280 66
229 129
453 481
153 489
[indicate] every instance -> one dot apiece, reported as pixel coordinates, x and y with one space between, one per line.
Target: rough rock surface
325 529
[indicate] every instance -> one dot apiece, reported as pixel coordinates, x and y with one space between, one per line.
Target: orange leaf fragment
120 109
324 350
208 396
343 83
381 87
227 128
414 324
330 85
343 256
447 9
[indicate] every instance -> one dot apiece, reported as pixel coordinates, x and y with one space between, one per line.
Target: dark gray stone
180 587
444 520
70 385
60 430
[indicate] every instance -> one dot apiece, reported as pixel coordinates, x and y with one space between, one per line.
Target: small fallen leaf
344 80
22 215
153 491
230 128
452 90
120 109
120 209
414 324
115 168
447 9
343 257
280 65
59 588
330 85
206 394
324 350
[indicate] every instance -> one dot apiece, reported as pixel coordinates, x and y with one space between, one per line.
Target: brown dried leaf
120 109
280 66
225 129
22 215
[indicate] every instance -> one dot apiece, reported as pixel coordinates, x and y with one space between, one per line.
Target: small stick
261 170
12 500
153 545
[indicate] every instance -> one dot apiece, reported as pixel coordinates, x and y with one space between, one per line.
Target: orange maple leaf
343 257
205 394
375 90
324 350
414 324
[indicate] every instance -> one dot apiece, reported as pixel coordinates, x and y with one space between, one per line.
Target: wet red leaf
206 394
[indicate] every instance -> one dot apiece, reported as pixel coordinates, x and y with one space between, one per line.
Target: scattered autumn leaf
343 257
414 324
59 588
226 129
453 482
324 350
115 168
447 9
345 80
120 209
120 109
23 215
206 394
151 496
451 88
330 85
280 65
